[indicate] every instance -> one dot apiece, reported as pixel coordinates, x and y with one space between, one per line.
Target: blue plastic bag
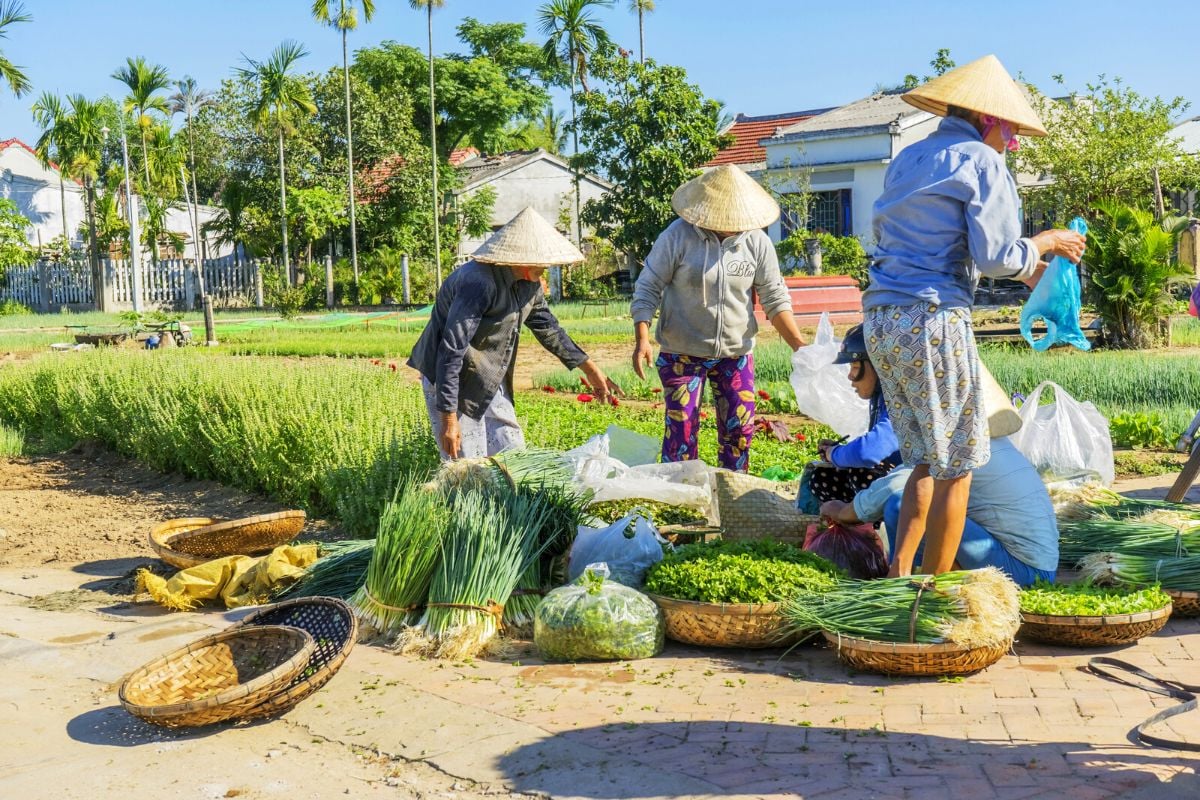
1056 300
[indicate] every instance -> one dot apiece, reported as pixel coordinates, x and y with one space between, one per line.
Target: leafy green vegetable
730 571
659 513
1088 600
595 619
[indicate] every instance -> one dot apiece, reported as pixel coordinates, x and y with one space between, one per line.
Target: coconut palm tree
84 139
429 6
190 100
50 114
346 20
144 81
641 8
12 12
574 34
230 225
281 95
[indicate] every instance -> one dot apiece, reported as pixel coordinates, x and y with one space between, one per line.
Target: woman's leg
683 384
732 380
502 430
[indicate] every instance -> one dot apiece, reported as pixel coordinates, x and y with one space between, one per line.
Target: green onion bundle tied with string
971 608
503 471
339 572
1182 574
1134 536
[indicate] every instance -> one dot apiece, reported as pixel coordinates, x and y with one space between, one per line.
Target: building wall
543 184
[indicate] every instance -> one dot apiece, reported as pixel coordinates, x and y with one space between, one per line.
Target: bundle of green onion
339 572
491 540
567 509
1093 501
1138 536
508 470
971 608
1140 570
408 546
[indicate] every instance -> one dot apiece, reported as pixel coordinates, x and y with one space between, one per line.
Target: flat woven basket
333 627
893 658
756 508
1094 631
724 624
1186 604
162 533
217 678
248 536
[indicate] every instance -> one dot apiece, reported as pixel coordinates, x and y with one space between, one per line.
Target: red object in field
584 398
812 294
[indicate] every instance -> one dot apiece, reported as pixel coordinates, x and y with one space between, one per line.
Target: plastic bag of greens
629 547
854 548
595 619
1056 301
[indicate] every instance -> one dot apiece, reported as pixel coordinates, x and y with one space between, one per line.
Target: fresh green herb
739 572
597 619
1089 600
659 513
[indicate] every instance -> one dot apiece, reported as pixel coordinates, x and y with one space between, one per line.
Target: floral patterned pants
683 379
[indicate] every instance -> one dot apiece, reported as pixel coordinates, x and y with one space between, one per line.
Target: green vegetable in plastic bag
594 619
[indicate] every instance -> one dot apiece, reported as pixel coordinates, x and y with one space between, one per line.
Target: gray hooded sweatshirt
704 289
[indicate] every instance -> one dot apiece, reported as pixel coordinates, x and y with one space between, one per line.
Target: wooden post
1186 478
328 281
258 287
45 293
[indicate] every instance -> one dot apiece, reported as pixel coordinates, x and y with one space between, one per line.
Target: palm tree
190 101
145 81
574 35
346 20
50 114
429 6
281 94
551 124
84 139
641 8
12 12
230 224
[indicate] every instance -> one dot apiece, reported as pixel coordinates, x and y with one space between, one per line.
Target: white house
526 178
36 191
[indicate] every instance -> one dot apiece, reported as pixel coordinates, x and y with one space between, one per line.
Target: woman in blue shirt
949 212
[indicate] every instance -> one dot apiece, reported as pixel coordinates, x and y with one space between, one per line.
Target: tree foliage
14 244
647 130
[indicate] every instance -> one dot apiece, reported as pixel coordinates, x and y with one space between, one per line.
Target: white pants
496 432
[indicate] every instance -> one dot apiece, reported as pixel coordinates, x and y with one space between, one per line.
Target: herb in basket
1089 600
657 512
739 572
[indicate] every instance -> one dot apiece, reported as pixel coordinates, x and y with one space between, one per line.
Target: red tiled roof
747 131
6 143
462 154
372 183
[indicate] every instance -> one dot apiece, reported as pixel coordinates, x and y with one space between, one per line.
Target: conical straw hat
983 86
1003 419
725 199
528 240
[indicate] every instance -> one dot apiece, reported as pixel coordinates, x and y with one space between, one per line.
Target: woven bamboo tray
333 627
161 535
1094 631
893 658
217 678
1186 604
248 536
724 624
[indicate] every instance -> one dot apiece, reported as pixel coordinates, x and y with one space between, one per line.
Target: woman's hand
823 448
605 389
451 438
1060 242
643 353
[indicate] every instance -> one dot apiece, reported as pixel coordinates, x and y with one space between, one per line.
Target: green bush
11 308
1139 429
840 255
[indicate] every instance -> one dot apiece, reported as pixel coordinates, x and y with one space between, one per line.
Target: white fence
169 283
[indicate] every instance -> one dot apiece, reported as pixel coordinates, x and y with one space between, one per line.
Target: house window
828 212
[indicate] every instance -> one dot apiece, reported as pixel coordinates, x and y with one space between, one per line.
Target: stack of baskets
262 666
189 541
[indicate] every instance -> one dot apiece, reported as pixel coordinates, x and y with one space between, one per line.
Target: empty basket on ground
334 629
749 625
161 535
756 508
1186 604
1094 631
217 678
895 658
249 536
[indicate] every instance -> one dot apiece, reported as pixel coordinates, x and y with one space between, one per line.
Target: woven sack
756 508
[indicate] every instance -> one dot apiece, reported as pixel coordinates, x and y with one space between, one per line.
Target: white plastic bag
682 483
631 447
823 389
629 547
1068 441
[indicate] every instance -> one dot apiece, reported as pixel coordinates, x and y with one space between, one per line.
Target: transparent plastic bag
823 390
1056 301
596 619
681 483
1068 441
629 547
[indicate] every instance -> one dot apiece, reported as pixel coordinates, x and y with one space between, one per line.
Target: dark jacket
878 448
468 349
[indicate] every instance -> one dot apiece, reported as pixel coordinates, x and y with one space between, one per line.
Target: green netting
337 320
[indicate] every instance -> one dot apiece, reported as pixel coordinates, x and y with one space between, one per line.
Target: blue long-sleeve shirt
949 212
877 446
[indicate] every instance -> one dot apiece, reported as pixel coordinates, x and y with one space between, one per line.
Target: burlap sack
755 508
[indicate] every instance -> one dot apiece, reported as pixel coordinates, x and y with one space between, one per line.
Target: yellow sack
237 580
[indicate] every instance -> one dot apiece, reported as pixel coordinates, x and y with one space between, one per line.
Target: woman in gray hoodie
701 277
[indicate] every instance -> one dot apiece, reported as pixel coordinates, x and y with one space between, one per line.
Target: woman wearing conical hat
701 277
468 349
949 212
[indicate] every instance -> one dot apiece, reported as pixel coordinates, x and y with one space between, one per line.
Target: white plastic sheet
823 389
1068 441
682 483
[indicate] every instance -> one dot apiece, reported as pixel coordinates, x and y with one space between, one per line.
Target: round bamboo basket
334 629
895 658
161 535
217 678
1186 604
725 624
1094 631
240 537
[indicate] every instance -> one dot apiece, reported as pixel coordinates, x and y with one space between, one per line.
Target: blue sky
759 56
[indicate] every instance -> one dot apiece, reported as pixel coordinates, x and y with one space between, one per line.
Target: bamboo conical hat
528 240
725 199
983 86
1003 419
